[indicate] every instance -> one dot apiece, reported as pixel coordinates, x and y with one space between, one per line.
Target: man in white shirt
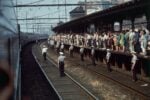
71 50
52 43
57 47
44 51
93 55
108 55
62 47
133 67
61 64
82 53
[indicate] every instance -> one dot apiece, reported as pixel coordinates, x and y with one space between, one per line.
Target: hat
136 30
81 46
92 46
61 53
108 49
44 46
133 52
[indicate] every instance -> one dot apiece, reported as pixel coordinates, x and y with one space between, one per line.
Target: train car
9 44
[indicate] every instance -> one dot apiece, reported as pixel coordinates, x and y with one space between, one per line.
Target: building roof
79 9
114 13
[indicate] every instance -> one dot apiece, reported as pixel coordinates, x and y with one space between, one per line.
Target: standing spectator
122 41
44 51
62 47
133 67
131 41
103 41
82 53
88 40
111 42
52 43
61 64
71 50
143 42
93 55
57 46
108 55
127 41
118 41
137 43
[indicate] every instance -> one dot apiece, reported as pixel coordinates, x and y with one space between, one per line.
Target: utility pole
65 11
58 11
26 22
86 7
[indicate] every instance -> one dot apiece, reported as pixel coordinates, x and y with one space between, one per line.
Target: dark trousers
93 60
71 53
134 72
57 50
61 69
44 55
82 57
61 50
109 66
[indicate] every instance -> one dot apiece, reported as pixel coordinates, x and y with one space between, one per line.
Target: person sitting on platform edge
44 51
61 64
108 55
133 67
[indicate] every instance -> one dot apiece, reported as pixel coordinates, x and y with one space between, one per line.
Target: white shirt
92 52
88 36
44 50
57 45
61 58
71 47
81 50
62 46
134 59
51 42
108 56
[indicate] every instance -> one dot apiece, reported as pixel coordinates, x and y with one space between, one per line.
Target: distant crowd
125 41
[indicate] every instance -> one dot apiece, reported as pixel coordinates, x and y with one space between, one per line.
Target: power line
34 2
36 23
37 18
53 5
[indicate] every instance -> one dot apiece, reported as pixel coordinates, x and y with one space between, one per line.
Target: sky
42 12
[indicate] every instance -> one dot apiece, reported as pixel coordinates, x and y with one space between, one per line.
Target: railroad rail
84 92
140 93
34 85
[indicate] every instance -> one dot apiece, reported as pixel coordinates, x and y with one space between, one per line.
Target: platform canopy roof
126 10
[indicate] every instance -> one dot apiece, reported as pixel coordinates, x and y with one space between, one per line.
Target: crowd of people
125 41
134 42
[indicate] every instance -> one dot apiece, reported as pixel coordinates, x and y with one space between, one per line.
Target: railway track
85 93
34 85
142 95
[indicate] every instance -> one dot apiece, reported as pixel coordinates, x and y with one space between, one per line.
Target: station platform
105 85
